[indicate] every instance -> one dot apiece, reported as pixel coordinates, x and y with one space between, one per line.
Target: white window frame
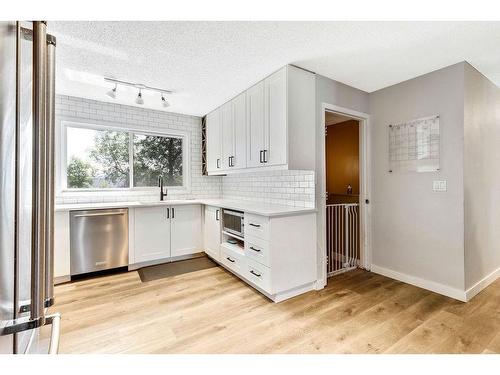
61 176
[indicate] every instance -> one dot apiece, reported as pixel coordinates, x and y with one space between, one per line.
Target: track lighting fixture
164 101
139 99
112 93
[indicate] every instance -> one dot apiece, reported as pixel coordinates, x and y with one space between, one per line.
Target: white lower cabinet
232 260
257 249
278 254
185 229
211 232
61 247
165 232
259 274
151 234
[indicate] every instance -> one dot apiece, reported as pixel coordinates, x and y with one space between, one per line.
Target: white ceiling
207 63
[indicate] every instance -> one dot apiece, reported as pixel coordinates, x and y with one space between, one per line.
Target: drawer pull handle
254 249
255 225
231 260
255 273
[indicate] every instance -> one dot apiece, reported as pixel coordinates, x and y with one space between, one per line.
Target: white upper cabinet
255 125
270 125
227 135
239 120
275 124
214 146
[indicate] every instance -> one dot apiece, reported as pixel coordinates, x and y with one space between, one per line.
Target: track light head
139 99
138 86
112 93
164 101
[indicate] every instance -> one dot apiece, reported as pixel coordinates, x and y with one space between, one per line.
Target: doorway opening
343 191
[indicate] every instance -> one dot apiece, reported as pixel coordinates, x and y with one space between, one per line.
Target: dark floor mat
175 268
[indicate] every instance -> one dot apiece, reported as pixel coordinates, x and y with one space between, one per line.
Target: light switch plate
439 185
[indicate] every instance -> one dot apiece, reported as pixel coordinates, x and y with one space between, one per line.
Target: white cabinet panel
257 226
61 246
151 234
275 132
239 129
257 249
227 136
214 147
211 231
255 125
185 227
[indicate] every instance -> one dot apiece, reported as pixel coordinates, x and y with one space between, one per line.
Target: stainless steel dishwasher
99 240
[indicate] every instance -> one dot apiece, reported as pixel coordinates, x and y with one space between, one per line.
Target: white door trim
365 188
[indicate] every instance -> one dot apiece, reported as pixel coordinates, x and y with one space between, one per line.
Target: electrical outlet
439 185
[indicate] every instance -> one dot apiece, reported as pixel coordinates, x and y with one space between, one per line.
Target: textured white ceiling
207 63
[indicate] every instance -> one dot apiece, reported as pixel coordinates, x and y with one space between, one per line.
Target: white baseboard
421 283
279 297
481 284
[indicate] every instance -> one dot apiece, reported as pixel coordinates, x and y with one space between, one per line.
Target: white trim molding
65 123
364 194
482 284
433 286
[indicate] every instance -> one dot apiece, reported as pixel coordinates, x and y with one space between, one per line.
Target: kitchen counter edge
248 207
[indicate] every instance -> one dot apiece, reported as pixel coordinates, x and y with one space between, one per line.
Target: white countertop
257 208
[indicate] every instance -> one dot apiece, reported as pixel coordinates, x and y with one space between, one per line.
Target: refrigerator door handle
39 174
55 321
50 162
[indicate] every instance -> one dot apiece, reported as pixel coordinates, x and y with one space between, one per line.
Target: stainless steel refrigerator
27 67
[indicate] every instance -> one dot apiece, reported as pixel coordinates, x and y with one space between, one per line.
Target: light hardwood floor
212 311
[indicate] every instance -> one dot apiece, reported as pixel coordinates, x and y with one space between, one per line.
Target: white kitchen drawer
233 260
257 226
259 274
257 249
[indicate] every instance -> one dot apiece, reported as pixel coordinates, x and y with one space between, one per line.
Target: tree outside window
100 159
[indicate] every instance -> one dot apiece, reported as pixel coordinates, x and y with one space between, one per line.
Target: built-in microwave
233 222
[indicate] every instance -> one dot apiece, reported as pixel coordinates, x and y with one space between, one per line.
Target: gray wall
481 177
330 92
415 231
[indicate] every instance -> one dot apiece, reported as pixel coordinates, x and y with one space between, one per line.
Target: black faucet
163 193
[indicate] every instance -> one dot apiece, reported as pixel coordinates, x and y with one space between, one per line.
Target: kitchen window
96 158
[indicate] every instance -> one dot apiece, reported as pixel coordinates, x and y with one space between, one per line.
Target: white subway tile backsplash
275 187
287 187
123 116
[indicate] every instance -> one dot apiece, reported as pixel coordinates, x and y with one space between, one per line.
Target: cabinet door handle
231 260
255 225
265 156
254 249
168 213
217 215
173 213
255 273
260 156
218 163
